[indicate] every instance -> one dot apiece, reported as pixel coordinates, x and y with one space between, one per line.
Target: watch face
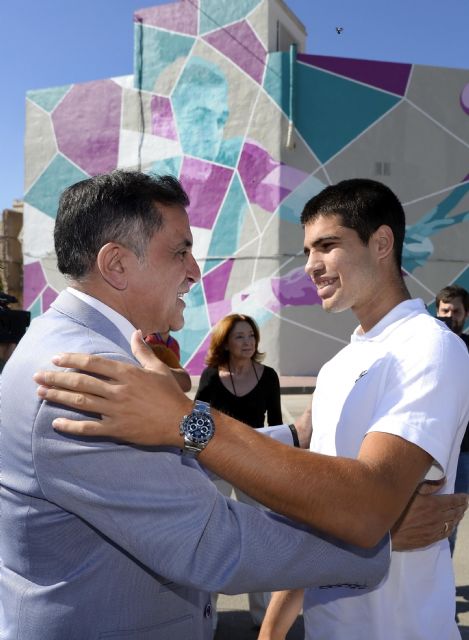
198 427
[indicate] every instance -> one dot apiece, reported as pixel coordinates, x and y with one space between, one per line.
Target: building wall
253 133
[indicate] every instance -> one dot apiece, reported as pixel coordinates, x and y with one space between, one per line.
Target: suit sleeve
163 511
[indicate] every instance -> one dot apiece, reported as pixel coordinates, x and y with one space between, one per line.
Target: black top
250 408
465 338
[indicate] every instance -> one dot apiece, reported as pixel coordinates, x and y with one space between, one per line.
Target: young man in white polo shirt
392 406
388 380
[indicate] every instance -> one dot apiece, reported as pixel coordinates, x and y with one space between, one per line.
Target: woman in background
236 383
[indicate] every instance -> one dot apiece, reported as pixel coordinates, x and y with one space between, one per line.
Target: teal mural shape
197 324
215 14
36 308
290 209
227 230
200 105
277 80
167 166
45 192
418 246
48 99
161 49
333 104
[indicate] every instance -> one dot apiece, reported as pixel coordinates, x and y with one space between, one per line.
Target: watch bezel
194 443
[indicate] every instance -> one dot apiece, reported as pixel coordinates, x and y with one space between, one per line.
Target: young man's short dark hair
363 205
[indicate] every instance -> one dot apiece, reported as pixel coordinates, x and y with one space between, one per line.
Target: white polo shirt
408 377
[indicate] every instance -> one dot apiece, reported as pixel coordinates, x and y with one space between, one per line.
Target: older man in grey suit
104 540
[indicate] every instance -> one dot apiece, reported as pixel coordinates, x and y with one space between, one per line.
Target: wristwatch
197 428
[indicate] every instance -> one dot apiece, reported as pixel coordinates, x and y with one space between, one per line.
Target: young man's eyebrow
320 241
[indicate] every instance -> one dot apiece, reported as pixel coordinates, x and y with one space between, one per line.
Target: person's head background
117 207
452 304
217 354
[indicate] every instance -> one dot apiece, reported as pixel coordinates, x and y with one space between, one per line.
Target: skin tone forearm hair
355 500
281 613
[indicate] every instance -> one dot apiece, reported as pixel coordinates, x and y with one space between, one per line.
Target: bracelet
294 435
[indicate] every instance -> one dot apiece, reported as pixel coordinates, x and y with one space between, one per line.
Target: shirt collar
124 326
400 312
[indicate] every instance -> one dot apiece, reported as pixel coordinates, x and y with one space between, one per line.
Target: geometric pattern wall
210 104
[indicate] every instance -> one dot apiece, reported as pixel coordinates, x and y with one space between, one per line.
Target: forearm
357 500
281 613
340 496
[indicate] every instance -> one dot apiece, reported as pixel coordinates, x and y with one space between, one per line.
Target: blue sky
47 43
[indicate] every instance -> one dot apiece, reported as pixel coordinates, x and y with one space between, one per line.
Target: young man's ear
383 239
111 262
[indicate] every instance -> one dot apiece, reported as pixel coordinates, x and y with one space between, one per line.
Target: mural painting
253 134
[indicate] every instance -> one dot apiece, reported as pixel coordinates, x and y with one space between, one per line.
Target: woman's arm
281 613
274 405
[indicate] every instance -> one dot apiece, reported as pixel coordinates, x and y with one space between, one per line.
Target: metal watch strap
200 405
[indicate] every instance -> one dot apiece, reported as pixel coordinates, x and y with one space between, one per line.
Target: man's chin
177 324
333 306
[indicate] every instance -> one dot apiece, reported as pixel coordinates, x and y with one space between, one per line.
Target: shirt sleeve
425 401
280 432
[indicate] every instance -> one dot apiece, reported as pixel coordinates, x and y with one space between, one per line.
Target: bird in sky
339 30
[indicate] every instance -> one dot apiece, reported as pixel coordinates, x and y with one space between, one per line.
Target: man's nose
193 270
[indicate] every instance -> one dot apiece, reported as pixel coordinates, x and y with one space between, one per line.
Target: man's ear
383 240
111 263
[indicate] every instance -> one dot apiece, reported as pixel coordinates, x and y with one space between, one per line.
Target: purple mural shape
205 184
34 283
178 16
87 123
215 283
48 298
390 76
162 120
464 99
239 43
267 182
295 289
197 363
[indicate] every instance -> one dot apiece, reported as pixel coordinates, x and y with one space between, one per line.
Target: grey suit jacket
103 540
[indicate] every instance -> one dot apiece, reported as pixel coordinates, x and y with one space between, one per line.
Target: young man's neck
381 305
